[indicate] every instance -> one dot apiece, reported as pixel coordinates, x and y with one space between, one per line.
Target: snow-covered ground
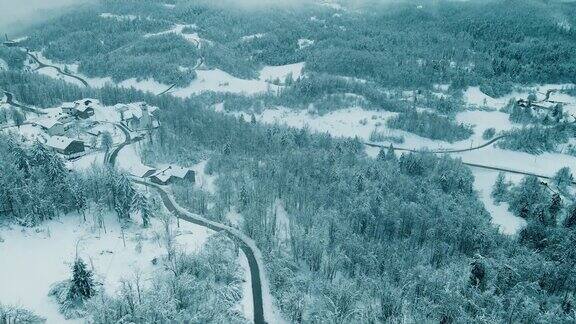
270 73
303 43
220 81
283 233
207 80
178 30
473 96
54 244
248 38
118 17
502 218
357 122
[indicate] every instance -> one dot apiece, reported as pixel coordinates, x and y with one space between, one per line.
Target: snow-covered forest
290 162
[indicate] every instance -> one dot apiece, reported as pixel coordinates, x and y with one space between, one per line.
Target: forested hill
406 44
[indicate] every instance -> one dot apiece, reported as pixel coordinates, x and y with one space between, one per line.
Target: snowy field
55 243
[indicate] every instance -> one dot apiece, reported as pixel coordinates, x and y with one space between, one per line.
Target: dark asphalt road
250 254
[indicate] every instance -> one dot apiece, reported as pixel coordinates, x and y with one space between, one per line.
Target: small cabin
173 174
66 146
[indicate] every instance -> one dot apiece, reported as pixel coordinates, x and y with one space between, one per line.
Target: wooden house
173 174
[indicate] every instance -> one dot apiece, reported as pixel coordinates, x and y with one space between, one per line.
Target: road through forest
246 244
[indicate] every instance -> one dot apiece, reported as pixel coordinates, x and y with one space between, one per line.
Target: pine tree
500 189
478 275
381 154
107 141
555 207
391 155
563 178
82 284
244 198
18 118
142 205
570 220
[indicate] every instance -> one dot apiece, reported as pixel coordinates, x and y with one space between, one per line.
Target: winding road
198 64
490 142
10 101
42 65
246 244
473 165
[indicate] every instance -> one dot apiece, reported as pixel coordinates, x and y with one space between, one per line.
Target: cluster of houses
164 176
135 116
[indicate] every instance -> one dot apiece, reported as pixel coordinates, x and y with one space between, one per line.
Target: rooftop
60 142
47 122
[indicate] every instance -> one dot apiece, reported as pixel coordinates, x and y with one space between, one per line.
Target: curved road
474 165
111 157
44 65
234 234
198 64
490 142
246 244
10 101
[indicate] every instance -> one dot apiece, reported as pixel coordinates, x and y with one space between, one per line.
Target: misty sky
15 12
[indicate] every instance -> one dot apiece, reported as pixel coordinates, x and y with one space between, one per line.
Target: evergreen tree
570 220
500 189
478 275
107 141
381 154
82 284
142 205
528 198
391 155
563 178
554 209
18 118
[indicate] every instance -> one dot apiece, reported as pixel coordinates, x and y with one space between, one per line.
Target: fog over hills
16 14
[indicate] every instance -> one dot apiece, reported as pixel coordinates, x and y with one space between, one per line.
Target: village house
141 171
68 108
80 109
63 118
138 116
66 146
51 126
173 174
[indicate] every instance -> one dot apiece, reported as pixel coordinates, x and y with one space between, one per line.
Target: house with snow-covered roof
173 174
138 116
141 170
80 109
50 125
66 146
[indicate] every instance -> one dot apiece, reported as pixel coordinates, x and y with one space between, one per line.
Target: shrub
489 133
